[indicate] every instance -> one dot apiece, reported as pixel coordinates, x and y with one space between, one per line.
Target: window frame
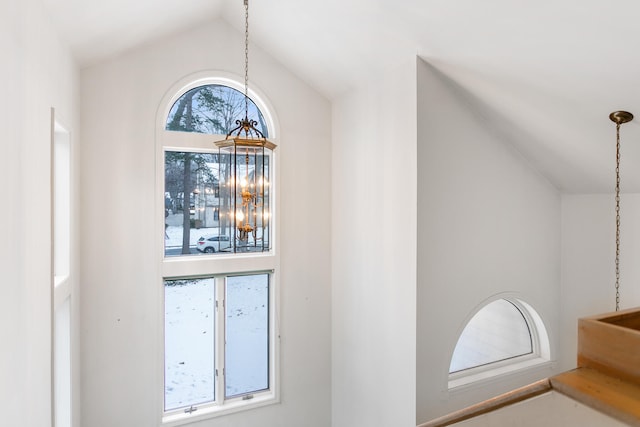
223 405
63 305
540 356
215 265
522 322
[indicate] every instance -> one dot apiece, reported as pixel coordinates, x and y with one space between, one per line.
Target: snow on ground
247 321
189 350
189 339
173 232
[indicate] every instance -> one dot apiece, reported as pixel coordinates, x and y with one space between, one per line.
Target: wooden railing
514 396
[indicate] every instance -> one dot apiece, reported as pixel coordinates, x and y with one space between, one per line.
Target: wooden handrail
506 399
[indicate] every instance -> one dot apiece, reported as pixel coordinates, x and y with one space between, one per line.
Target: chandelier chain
246 59
617 216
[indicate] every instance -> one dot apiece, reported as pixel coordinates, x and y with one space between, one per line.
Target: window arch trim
196 142
498 331
540 357
216 77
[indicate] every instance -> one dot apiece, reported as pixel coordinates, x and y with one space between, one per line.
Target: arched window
197 220
499 331
504 335
213 109
220 328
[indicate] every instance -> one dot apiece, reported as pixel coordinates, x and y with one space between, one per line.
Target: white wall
121 301
374 252
13 331
588 267
37 74
488 223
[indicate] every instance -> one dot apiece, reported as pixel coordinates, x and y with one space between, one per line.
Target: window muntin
212 109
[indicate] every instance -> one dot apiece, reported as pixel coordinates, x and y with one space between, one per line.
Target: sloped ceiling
544 74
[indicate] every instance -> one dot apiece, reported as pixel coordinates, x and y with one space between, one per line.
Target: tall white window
61 266
220 338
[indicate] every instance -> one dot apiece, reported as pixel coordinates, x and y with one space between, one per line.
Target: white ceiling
545 74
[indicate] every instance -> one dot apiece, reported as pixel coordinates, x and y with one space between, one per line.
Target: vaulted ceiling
543 74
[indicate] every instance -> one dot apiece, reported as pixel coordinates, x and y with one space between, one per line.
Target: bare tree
209 109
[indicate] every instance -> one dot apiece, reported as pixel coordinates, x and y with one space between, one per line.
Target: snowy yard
190 338
173 233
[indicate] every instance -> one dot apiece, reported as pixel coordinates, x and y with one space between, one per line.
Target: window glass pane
61 205
212 109
189 342
497 332
247 334
204 210
192 205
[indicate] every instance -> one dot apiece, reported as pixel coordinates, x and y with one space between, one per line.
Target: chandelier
245 157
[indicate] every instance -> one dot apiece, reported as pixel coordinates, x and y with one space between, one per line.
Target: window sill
486 373
213 411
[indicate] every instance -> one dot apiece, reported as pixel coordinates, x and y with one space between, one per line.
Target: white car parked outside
213 243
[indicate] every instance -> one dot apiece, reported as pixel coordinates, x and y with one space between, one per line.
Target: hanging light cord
617 216
618 117
246 126
246 59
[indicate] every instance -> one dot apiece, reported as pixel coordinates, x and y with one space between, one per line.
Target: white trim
212 411
540 336
495 370
216 264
